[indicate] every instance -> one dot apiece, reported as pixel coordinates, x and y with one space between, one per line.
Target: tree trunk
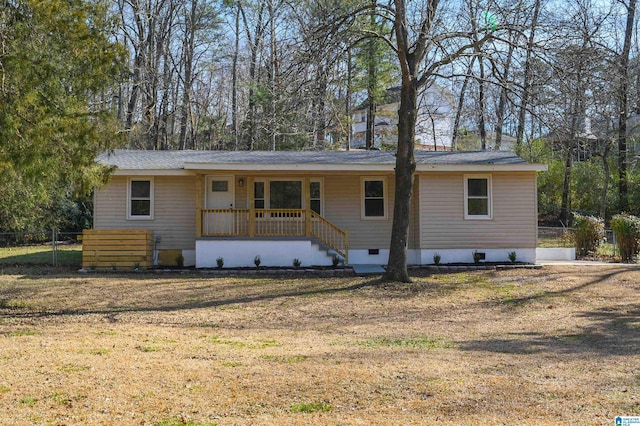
605 184
463 91
503 98
163 119
320 123
371 123
482 107
347 103
405 168
526 84
254 43
623 190
133 97
234 81
410 56
272 79
371 82
565 209
189 45
482 128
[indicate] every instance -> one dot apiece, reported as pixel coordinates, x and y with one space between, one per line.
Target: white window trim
385 197
488 216
151 198
322 199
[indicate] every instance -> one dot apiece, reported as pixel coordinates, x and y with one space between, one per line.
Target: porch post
307 204
199 191
252 207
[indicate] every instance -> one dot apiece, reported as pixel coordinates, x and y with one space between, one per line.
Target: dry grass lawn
560 345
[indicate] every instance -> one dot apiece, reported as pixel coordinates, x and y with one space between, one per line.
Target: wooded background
556 81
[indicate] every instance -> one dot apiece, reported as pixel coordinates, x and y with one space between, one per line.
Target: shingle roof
176 160
467 157
181 161
147 160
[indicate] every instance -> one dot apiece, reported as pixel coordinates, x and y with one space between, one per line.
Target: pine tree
56 67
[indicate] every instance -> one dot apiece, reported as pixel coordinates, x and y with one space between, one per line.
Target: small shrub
627 230
588 233
567 239
437 258
477 256
296 263
335 261
220 262
257 261
180 261
513 256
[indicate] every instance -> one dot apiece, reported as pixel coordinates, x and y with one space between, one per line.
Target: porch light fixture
241 182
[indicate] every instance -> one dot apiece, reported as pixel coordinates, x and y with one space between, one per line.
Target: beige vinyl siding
343 204
242 200
514 221
174 210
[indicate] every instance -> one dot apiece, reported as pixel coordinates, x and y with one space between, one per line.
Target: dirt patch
548 346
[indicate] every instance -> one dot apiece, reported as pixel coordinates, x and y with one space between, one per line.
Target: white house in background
434 126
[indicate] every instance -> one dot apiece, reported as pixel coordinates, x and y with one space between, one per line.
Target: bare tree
526 84
420 48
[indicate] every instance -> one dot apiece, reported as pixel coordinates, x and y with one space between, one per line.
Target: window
315 196
374 205
285 194
477 194
258 195
140 199
219 186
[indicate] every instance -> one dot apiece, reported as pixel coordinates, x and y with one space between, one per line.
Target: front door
219 195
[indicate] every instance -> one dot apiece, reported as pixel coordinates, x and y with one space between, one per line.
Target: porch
272 224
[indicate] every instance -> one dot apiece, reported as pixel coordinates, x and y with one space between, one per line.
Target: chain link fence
563 237
53 248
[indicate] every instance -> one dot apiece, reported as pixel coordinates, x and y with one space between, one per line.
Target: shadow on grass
186 305
517 301
610 333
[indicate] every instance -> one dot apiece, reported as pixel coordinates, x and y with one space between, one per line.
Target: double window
477 197
140 198
286 194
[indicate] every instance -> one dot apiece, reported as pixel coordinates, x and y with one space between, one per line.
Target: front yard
559 345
